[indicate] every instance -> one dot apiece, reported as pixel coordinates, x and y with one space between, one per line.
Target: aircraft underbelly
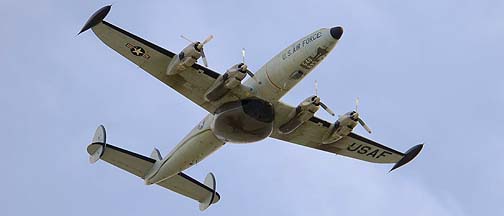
244 121
248 120
196 146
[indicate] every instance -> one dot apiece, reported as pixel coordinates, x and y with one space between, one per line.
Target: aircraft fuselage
241 122
291 65
249 120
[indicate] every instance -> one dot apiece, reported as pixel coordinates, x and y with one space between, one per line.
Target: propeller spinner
243 67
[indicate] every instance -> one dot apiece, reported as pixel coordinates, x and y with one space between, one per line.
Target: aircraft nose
336 32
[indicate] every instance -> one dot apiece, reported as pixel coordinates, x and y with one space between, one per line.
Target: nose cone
336 32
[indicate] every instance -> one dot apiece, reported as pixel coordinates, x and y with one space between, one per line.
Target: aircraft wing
312 132
139 165
192 83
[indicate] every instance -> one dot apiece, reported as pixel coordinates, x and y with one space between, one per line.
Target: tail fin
209 182
141 166
156 155
100 137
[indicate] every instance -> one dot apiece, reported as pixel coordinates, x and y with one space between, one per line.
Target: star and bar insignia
137 51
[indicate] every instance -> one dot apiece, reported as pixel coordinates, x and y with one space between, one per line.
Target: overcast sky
425 71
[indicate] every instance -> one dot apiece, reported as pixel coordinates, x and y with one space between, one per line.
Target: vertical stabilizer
156 155
209 182
100 137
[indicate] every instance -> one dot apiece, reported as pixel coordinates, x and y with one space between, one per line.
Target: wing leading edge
312 132
191 83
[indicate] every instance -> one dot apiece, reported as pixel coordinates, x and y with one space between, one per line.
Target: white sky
425 71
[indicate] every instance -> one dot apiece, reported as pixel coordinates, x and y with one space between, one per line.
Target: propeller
357 104
364 125
244 67
316 100
356 116
327 109
243 55
199 47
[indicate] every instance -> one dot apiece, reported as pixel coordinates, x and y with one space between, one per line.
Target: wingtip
96 18
408 156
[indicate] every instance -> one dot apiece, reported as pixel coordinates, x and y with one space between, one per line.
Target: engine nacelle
342 127
303 112
235 75
184 59
224 83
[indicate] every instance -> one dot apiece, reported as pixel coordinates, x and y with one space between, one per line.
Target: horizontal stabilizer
192 188
140 165
132 162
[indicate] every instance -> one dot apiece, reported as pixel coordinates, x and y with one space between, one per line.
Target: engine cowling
224 83
346 123
188 56
185 59
235 75
342 127
303 112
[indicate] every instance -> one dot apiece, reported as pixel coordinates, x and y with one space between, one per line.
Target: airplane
238 112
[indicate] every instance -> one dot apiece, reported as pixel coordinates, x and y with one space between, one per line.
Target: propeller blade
208 39
187 39
327 109
316 87
356 103
364 125
243 55
250 73
204 58
252 76
247 70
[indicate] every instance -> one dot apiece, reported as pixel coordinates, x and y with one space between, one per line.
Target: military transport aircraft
238 112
